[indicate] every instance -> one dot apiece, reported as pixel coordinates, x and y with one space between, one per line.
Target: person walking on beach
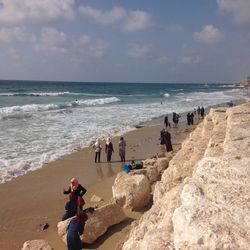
199 112
122 149
168 142
175 119
202 112
76 202
166 122
109 149
97 146
162 140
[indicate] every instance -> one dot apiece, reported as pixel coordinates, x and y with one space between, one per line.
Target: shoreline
36 197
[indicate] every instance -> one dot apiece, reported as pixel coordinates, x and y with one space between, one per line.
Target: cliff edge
202 200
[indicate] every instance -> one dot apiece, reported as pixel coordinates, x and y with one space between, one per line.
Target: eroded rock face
202 200
36 245
97 223
214 213
131 190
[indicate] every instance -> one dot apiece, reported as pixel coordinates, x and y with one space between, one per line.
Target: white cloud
209 35
53 41
190 59
137 20
83 40
175 28
116 14
99 49
239 8
128 20
14 11
137 50
11 34
13 54
162 60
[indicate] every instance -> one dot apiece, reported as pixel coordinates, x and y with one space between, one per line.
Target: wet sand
37 197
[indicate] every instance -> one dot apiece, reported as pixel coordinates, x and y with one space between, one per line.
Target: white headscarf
107 141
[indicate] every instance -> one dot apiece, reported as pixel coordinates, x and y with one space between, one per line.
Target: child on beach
109 149
76 202
97 147
122 148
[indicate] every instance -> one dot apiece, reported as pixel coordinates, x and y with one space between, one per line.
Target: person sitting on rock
76 202
75 230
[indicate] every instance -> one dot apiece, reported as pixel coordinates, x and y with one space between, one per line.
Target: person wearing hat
109 149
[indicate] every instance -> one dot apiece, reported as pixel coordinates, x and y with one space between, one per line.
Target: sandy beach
37 197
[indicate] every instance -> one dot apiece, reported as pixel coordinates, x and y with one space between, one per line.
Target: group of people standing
109 149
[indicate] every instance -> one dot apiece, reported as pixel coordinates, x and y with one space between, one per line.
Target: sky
169 41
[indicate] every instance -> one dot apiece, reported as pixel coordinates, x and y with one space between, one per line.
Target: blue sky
125 41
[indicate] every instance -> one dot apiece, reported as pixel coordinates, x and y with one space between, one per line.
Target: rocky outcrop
131 190
97 223
202 200
36 244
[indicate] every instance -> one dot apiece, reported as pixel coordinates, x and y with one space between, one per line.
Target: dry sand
37 197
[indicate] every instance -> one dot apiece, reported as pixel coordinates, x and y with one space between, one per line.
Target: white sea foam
37 94
57 131
101 101
166 95
17 111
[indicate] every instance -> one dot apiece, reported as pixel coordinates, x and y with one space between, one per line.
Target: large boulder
36 245
131 191
97 223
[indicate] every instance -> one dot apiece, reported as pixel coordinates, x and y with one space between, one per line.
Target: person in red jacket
76 202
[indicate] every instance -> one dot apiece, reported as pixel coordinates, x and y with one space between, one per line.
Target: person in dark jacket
202 112
168 141
74 230
109 149
166 122
76 202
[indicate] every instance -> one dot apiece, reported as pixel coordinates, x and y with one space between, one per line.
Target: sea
43 121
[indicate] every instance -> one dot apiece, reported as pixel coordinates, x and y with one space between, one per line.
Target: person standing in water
97 146
109 149
122 149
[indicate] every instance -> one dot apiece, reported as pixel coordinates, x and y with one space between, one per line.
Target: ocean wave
7 112
37 94
100 101
166 95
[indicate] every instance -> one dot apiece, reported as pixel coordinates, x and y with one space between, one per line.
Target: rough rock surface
131 190
202 200
97 223
36 245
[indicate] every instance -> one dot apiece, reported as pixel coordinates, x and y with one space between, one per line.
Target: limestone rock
162 163
36 245
96 198
97 223
131 191
202 200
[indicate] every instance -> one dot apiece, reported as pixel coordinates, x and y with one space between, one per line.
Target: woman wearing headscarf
74 230
76 202
122 149
109 149
97 146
